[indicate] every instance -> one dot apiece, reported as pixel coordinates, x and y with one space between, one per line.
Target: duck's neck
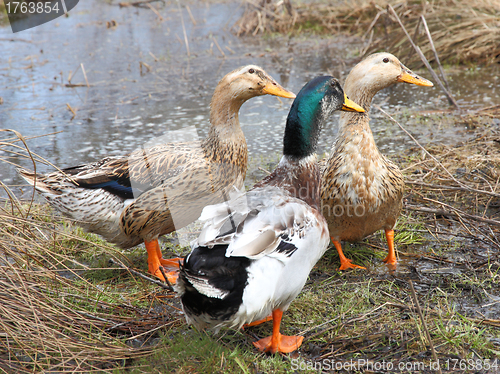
303 127
358 124
298 171
224 119
300 177
225 141
360 96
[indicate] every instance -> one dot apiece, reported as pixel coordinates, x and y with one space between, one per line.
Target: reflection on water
143 84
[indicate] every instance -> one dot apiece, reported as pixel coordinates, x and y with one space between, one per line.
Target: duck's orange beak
273 88
351 106
409 76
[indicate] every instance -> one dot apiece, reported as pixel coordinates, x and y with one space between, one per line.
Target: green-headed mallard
155 191
362 190
255 252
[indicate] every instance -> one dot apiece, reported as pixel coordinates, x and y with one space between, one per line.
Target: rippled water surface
143 83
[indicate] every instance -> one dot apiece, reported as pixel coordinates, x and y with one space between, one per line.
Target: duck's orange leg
345 263
169 264
153 259
391 256
255 323
277 342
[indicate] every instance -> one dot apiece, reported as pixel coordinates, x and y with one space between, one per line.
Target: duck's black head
315 102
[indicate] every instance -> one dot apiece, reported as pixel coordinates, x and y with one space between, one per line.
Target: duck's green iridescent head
317 100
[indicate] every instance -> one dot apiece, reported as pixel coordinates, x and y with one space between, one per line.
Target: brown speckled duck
362 190
155 191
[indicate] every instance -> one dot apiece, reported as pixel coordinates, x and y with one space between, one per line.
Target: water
126 106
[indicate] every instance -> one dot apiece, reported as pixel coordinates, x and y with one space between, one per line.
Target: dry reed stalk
422 56
462 31
424 324
186 42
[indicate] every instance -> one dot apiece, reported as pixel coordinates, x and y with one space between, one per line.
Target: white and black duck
255 251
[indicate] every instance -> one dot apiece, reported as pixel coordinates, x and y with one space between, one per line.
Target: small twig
15 140
372 24
414 295
264 170
171 288
362 53
442 212
424 22
136 3
71 74
157 282
491 322
492 107
70 85
149 331
95 317
15 40
424 59
71 109
452 188
183 29
84 74
218 47
415 35
363 318
154 11
152 55
191 15
141 64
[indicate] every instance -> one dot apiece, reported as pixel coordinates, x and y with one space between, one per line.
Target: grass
66 308
192 351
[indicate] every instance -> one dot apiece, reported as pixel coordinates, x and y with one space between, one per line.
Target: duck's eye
386 60
251 71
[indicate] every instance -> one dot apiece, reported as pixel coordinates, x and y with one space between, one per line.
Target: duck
156 190
362 190
255 251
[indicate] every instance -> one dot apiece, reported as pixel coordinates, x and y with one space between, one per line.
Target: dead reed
53 317
456 189
463 32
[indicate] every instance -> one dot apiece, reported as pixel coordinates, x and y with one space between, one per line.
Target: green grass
191 351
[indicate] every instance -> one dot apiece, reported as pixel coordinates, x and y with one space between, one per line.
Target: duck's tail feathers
39 181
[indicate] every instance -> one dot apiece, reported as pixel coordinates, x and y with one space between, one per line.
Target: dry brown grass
462 31
457 188
53 317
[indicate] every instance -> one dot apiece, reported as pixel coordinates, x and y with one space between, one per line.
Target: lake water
128 105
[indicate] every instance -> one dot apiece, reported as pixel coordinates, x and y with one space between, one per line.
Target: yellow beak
273 88
351 106
409 76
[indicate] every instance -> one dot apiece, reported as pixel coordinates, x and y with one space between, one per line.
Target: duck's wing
153 166
127 176
264 221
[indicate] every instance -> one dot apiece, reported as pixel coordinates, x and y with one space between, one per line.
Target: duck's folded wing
262 222
139 171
